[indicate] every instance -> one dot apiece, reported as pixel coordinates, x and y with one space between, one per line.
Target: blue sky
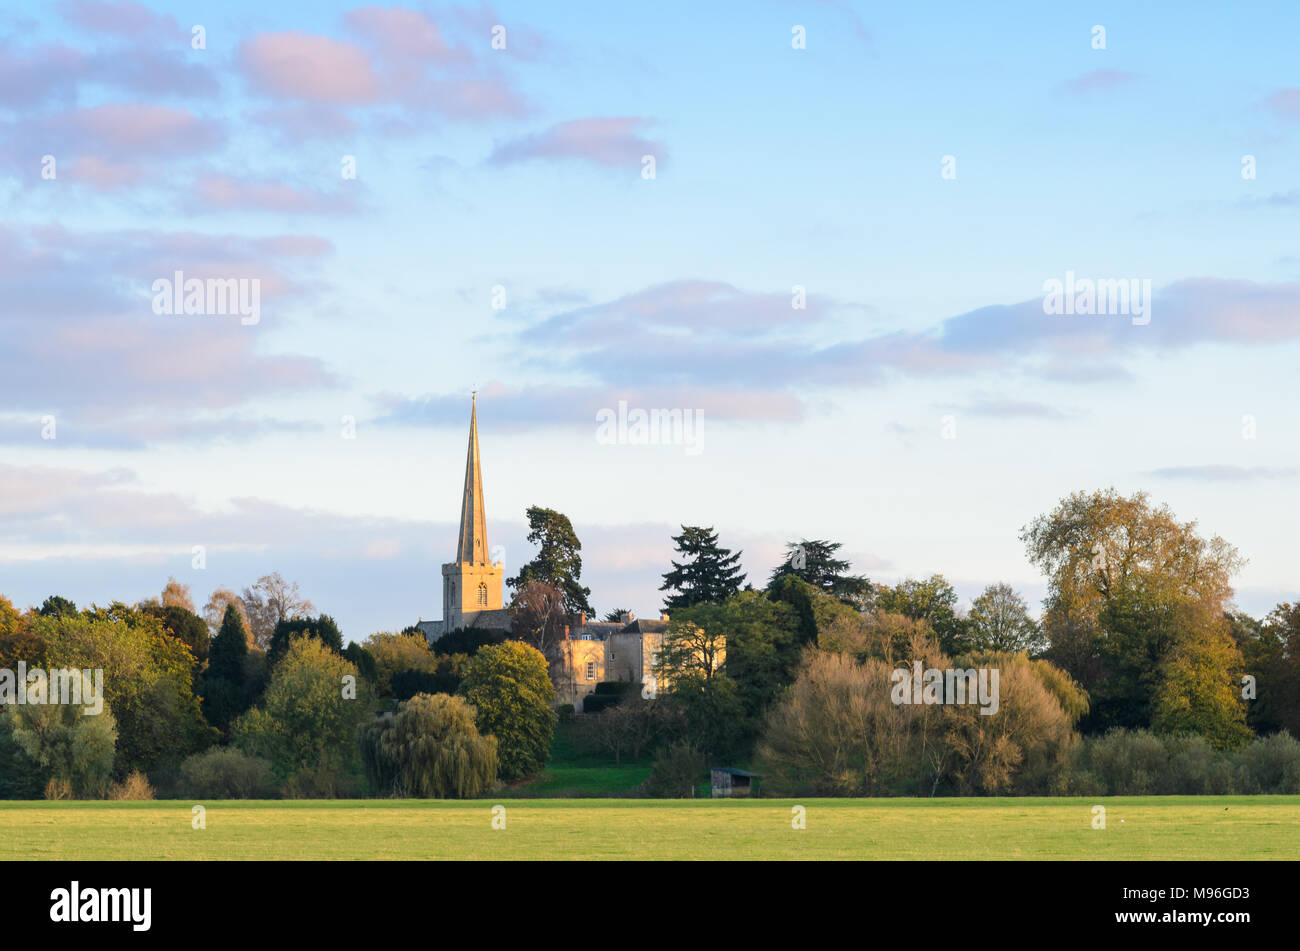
521 168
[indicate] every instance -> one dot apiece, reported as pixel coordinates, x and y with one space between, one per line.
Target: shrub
134 787
1269 765
58 789
226 774
1124 762
676 771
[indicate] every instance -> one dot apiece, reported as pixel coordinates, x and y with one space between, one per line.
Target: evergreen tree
558 562
225 694
707 574
815 563
323 628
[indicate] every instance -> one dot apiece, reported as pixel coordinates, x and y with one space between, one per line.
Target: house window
591 670
482 594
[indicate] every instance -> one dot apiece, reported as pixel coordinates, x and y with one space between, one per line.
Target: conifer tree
707 574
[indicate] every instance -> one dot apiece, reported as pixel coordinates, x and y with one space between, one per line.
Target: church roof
472 545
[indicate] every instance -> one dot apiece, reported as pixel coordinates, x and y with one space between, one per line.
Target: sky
824 230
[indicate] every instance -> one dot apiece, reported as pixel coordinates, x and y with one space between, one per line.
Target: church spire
472 546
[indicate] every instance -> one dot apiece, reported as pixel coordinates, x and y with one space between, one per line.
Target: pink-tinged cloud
397 33
308 67
224 192
88 297
608 141
104 175
1285 103
135 129
121 19
1099 80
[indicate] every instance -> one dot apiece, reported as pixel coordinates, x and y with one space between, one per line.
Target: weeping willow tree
430 750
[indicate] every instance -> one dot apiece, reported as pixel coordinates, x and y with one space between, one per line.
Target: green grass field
1228 827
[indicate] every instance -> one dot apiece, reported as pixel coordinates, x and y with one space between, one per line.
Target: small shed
728 782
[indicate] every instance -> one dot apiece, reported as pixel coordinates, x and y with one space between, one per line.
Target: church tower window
482 594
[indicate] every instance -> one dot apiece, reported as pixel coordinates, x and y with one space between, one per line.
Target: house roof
735 772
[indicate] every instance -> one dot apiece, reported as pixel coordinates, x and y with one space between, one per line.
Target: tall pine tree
707 574
225 693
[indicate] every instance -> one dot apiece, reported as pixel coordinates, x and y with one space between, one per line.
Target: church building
473 586
473 596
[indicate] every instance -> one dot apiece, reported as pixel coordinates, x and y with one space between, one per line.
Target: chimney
663 615
582 619
626 617
566 632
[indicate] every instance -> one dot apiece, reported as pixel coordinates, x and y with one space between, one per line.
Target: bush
57 789
134 787
676 771
566 712
226 774
1124 762
1269 765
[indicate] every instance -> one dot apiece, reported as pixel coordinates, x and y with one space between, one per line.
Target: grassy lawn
1220 827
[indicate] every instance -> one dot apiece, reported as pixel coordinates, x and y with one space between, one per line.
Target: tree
214 612
815 563
999 621
466 640
66 742
17 641
539 616
1271 653
510 689
306 725
147 680
762 647
631 726
186 626
398 654
557 563
689 650
707 572
175 594
55 606
429 750
323 629
271 601
225 690
934 601
1136 600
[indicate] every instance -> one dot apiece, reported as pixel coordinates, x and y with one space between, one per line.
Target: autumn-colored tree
270 601
1136 600
539 615
214 612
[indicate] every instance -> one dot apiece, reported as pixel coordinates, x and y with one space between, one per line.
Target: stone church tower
472 584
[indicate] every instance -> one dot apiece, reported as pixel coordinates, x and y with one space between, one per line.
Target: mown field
1229 827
